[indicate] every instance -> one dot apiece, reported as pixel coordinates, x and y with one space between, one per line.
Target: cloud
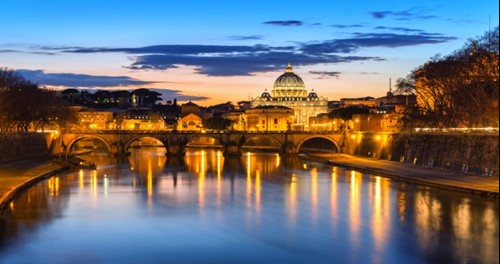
367 40
410 14
380 14
170 94
347 26
166 49
29 52
251 37
238 65
400 29
78 80
284 23
218 60
326 74
241 60
314 24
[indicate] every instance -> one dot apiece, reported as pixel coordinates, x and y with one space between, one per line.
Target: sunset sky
217 51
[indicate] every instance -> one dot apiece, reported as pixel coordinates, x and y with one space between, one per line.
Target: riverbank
16 177
484 186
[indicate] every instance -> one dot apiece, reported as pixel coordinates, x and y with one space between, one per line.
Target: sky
212 52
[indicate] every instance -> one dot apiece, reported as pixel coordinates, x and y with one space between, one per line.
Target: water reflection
333 196
287 209
355 209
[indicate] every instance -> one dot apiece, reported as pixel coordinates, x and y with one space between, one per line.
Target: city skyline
212 52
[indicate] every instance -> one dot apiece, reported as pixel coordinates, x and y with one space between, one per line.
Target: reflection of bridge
232 142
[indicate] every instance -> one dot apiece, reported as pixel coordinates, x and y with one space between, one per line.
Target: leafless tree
24 105
460 89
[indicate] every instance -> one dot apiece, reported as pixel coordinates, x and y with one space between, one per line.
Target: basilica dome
289 84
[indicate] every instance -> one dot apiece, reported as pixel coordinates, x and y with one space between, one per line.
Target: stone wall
22 146
467 153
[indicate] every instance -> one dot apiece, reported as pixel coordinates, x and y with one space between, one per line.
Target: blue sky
217 51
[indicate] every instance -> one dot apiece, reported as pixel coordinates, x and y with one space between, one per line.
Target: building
190 122
94 119
141 119
377 122
269 118
323 123
237 118
360 102
289 91
399 99
190 108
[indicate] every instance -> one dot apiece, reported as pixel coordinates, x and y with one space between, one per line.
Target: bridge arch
72 142
204 141
334 143
265 141
136 138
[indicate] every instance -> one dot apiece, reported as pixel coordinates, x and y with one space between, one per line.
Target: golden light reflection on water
354 207
381 212
150 183
427 218
81 180
314 193
489 223
94 184
257 193
53 184
292 206
201 181
147 164
249 188
219 178
249 165
333 195
402 206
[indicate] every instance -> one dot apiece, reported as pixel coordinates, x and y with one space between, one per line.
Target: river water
258 208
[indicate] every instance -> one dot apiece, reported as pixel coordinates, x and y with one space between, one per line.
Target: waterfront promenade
18 175
427 176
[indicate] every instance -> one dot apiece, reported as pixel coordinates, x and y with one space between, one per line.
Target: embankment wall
467 153
18 146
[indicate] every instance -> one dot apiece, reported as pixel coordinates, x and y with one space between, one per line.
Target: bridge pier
289 149
176 150
232 149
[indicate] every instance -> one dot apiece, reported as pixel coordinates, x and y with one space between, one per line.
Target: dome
266 95
312 95
289 84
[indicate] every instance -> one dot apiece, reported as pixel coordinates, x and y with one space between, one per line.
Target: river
258 208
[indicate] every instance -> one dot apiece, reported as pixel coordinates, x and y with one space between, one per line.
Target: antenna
390 85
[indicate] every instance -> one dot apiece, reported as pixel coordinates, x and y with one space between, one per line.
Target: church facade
289 91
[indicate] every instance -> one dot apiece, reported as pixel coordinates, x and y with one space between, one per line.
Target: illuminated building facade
269 118
360 102
190 122
92 119
289 91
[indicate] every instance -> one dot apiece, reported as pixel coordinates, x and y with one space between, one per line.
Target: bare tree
25 106
460 89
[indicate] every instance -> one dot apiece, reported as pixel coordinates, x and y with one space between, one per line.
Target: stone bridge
175 142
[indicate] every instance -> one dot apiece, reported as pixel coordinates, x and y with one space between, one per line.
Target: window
276 121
